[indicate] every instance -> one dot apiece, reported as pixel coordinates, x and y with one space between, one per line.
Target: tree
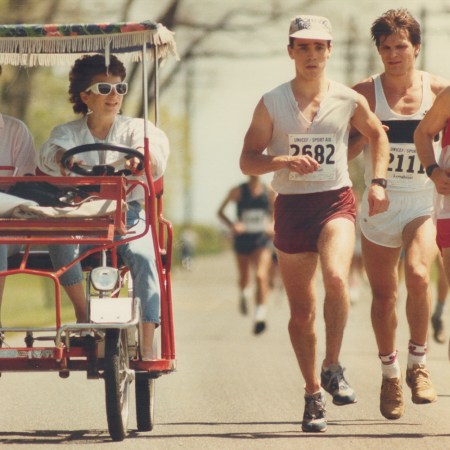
15 95
201 29
227 19
196 34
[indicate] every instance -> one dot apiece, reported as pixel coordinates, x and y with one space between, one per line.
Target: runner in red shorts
299 131
437 120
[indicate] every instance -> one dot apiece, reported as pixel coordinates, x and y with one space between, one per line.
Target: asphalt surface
232 389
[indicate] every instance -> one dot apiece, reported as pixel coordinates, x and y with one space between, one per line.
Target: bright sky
226 91
225 105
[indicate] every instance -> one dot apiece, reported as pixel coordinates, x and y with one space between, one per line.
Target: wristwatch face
429 169
380 182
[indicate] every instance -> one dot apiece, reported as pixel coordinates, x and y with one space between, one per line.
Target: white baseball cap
310 27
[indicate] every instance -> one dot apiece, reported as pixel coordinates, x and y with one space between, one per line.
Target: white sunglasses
106 88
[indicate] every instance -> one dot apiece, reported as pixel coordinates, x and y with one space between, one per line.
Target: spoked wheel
118 377
145 402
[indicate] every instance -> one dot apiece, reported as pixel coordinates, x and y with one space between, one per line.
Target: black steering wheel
101 169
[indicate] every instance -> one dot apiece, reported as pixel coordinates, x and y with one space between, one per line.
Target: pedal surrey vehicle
113 318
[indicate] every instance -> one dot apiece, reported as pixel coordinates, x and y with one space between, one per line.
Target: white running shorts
386 229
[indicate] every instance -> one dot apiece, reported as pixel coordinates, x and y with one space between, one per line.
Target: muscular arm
358 141
257 139
233 196
434 121
369 126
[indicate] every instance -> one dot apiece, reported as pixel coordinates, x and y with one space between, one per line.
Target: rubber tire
116 383
145 402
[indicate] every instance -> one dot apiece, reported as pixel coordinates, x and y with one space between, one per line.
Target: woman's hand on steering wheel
134 166
65 169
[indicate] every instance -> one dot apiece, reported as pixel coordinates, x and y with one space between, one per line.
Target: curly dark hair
393 21
83 72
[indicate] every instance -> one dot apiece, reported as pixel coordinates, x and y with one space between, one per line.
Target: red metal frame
60 231
100 232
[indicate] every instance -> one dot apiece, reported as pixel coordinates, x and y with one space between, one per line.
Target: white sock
390 367
332 367
417 354
260 313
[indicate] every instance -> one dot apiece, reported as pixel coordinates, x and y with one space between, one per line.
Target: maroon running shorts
299 218
443 233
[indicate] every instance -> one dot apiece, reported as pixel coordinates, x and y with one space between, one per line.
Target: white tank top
325 138
405 173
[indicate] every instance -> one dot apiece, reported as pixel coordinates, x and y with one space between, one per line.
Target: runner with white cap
299 131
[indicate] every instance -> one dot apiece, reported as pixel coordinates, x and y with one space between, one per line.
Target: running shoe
334 382
259 327
438 329
314 420
418 379
391 398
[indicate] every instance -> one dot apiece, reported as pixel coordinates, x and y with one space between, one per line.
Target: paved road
232 390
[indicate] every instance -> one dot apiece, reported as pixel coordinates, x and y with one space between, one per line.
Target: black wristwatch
430 168
380 181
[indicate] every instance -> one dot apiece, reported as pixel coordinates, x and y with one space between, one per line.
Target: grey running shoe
438 329
314 420
418 379
334 383
391 398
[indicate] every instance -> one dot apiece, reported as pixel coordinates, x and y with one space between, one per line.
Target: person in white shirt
96 92
437 167
400 97
304 125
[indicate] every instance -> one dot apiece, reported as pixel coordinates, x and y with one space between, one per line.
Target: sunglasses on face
106 88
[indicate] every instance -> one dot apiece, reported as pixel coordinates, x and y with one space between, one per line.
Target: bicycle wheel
145 402
117 381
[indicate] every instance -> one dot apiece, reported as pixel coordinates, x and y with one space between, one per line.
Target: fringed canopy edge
45 45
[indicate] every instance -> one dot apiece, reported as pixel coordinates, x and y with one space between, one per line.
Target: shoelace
315 408
337 380
420 378
392 389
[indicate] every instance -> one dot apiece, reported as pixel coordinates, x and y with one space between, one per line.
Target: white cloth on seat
93 208
9 202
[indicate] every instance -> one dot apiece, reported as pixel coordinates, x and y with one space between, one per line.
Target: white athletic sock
390 367
416 354
260 313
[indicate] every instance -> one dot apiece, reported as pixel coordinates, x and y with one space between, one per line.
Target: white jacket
125 131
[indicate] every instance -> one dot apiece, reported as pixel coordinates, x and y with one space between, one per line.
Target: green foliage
50 105
207 240
29 302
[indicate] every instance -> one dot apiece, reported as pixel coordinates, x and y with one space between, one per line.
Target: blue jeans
138 255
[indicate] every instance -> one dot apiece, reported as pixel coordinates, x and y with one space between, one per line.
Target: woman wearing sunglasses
96 92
